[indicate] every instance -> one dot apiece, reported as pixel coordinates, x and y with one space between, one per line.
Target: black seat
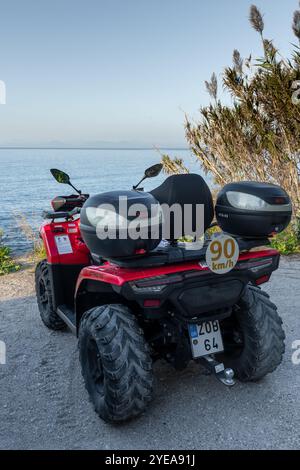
185 189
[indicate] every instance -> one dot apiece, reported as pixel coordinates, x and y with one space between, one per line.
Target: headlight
246 201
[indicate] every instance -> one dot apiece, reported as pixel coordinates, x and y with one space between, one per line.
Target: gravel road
43 403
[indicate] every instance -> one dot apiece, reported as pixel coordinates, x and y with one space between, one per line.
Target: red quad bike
132 302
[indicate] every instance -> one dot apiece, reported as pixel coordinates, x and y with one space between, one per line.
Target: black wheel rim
233 337
94 364
43 295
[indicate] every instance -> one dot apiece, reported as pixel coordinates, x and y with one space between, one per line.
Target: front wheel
253 337
115 362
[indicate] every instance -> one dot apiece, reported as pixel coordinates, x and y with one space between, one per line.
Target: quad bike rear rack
173 254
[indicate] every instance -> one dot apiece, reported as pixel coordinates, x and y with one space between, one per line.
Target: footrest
68 316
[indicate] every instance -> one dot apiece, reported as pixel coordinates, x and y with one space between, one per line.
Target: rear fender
93 293
109 283
74 251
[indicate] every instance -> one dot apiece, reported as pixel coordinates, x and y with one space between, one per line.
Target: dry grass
257 137
38 250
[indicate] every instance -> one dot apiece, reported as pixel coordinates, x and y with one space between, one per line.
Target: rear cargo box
252 209
118 224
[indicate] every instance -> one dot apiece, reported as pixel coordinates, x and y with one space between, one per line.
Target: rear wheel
115 361
253 337
45 298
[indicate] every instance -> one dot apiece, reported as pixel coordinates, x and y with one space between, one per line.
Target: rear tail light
148 290
154 303
279 200
155 284
151 285
260 267
57 203
256 265
140 252
262 280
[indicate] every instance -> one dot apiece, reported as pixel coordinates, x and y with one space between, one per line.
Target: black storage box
252 209
117 224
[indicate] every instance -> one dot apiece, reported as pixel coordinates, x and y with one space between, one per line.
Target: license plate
206 338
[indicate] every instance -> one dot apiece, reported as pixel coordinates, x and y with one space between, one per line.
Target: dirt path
43 403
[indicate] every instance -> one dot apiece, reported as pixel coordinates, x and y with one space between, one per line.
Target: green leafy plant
288 242
7 264
257 136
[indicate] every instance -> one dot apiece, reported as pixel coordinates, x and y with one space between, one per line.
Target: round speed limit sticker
222 254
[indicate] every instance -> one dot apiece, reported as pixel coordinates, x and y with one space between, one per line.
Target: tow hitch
226 376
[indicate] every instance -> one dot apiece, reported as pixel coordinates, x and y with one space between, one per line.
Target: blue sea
27 187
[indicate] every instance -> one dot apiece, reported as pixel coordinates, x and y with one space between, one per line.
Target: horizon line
92 148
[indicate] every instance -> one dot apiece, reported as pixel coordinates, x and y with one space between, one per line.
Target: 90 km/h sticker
222 254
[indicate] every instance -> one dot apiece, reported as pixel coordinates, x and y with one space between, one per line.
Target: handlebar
61 215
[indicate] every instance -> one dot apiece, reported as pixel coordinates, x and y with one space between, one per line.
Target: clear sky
81 72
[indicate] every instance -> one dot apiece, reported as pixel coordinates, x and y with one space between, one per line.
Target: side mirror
153 170
150 173
60 176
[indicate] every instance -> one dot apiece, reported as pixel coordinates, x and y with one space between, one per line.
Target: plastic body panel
112 274
64 268
174 281
80 254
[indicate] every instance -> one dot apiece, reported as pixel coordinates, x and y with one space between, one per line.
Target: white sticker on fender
63 244
222 254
